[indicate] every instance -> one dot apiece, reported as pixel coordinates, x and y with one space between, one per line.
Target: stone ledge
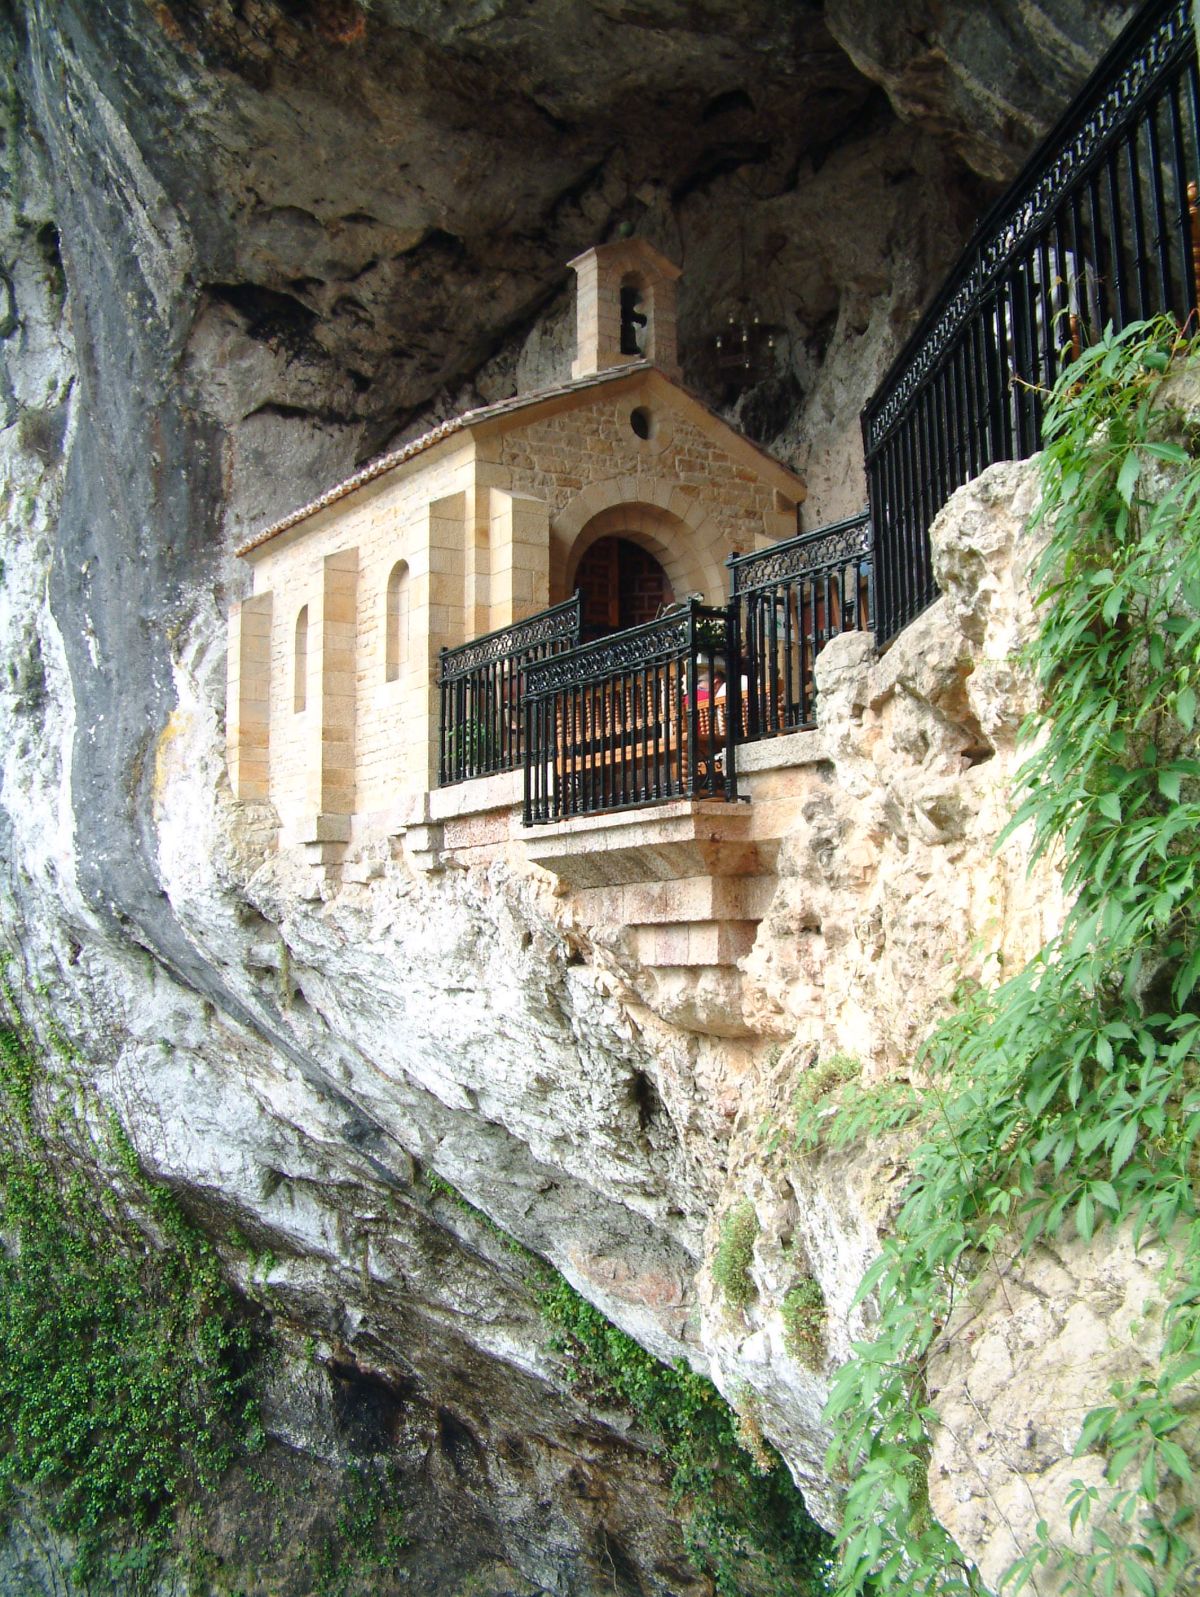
497 792
775 754
659 903
323 828
660 842
687 945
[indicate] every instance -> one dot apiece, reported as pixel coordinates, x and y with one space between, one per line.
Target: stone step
694 943
693 898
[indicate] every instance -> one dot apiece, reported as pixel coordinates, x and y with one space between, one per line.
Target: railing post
733 696
693 685
527 767
443 731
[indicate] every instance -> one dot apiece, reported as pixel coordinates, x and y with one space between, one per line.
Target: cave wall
246 245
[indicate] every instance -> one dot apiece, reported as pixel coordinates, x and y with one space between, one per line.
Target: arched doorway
621 585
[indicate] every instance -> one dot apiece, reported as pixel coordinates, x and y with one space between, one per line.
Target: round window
642 422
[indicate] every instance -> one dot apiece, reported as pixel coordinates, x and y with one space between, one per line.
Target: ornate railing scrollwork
639 717
788 601
557 626
482 688
654 642
1024 210
1099 227
812 552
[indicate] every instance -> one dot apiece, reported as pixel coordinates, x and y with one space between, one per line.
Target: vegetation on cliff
746 1523
129 1369
1069 1097
125 1360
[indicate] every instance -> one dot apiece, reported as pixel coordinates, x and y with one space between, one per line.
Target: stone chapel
618 483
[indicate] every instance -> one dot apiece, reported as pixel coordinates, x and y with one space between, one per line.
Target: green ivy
361 1557
1068 1098
125 1363
438 1187
746 1522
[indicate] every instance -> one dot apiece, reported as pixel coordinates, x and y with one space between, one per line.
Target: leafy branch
1069 1096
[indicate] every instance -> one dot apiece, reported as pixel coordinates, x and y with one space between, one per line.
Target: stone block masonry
248 696
333 673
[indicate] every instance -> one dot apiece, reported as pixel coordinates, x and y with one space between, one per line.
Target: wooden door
621 585
599 582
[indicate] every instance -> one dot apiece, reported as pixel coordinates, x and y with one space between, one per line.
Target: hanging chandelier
745 348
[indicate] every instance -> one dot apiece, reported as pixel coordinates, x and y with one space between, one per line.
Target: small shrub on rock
735 1251
804 1317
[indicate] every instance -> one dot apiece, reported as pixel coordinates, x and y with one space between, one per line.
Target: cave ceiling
384 195
294 232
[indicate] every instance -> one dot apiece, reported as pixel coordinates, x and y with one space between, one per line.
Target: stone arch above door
668 521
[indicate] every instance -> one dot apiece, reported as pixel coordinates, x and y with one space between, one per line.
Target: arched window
300 662
633 317
396 627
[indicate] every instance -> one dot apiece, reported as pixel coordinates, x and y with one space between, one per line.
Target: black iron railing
1100 226
482 686
644 715
787 602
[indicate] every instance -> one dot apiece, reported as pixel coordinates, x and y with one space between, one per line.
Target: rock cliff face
249 243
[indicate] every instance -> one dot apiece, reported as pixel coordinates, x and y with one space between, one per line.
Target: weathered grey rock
288 234
980 77
1019 1365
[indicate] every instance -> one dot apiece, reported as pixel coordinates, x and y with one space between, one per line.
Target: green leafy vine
125 1362
1069 1097
746 1523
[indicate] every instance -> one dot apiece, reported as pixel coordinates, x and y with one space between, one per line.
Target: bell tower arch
624 308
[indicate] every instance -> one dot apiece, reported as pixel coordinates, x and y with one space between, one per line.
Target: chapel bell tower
624 308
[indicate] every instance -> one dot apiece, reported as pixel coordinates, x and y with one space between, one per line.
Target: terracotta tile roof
445 429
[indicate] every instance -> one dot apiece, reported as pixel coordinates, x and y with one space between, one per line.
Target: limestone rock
246 245
890 887
1014 1373
960 71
